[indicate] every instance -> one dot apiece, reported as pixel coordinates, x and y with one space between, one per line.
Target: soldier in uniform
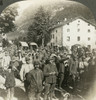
50 75
73 66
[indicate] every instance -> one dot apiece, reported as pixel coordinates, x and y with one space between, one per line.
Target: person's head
52 59
29 55
9 68
63 56
28 60
16 54
23 55
6 53
36 64
47 61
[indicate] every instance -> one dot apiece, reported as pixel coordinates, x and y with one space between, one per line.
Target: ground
86 93
21 95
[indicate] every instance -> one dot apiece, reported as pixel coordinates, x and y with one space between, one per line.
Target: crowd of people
44 69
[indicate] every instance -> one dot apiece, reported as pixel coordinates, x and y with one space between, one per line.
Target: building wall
57 36
79 29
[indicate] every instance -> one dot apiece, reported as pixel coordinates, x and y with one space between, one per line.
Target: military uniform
50 79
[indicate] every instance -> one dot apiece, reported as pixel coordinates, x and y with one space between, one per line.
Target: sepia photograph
47 50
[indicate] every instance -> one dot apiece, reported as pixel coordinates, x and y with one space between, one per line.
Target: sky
24 4
89 3
31 6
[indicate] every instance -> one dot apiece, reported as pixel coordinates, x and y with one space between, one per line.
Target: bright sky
24 4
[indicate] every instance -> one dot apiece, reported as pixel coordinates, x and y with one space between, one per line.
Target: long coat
35 78
47 70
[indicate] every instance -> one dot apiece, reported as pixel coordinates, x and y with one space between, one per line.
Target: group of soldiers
43 70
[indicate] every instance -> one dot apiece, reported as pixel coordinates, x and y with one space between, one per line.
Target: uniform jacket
47 70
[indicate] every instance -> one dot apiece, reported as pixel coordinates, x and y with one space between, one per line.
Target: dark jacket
73 64
61 65
35 78
10 79
51 67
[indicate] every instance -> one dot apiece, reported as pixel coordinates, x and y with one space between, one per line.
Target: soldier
50 75
73 64
61 68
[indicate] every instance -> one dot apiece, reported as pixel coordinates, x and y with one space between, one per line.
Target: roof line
70 20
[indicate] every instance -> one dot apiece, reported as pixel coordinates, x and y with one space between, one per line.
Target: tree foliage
39 31
7 19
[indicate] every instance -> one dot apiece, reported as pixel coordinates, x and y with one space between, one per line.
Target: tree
39 31
7 19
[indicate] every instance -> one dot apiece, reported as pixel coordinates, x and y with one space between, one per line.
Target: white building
74 31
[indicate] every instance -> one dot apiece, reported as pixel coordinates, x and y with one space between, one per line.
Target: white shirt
23 60
6 61
25 69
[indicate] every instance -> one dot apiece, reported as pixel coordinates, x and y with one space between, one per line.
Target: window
78 24
89 39
78 38
68 38
88 24
78 30
68 30
88 30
